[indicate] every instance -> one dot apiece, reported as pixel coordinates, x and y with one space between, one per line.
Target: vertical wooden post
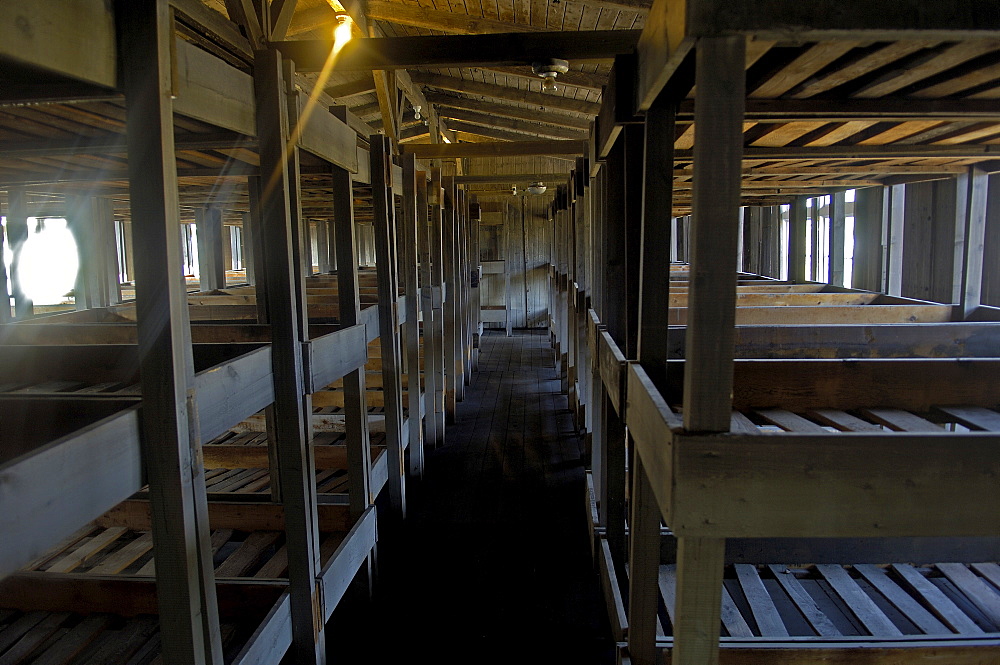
359 460
91 221
248 250
322 246
451 361
431 343
462 291
438 331
408 237
654 301
6 315
708 371
388 319
893 240
973 190
837 231
797 240
17 235
814 242
868 238
278 200
188 613
211 269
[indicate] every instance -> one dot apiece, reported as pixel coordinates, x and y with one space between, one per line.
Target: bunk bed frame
712 475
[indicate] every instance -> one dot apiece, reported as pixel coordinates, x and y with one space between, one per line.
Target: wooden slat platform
861 603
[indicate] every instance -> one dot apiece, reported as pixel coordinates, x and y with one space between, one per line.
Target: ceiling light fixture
537 188
416 111
548 70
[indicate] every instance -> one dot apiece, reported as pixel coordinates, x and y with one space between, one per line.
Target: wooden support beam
507 111
409 221
285 313
281 18
212 272
244 14
828 19
188 611
518 149
837 238
450 301
654 283
355 406
437 276
797 240
537 99
525 127
455 51
893 221
387 263
711 319
971 218
431 343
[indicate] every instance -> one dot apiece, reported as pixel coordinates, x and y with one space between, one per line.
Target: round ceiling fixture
548 70
537 188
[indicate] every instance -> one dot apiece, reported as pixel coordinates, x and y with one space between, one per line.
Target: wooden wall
524 237
929 240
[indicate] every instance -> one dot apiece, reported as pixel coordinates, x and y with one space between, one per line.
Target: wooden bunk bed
789 101
73 379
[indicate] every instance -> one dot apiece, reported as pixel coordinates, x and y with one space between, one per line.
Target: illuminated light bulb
342 33
549 83
416 112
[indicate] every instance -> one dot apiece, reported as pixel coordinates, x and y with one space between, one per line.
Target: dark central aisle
493 563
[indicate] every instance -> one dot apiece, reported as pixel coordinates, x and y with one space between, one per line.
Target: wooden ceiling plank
869 63
813 60
442 21
950 57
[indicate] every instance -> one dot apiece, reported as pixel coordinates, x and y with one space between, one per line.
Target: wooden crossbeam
536 99
522 148
461 50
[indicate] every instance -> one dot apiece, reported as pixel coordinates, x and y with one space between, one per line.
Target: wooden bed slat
901 421
940 605
974 417
789 421
977 591
863 607
761 605
843 420
903 601
804 602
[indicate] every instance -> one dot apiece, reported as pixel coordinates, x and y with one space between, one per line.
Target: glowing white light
49 262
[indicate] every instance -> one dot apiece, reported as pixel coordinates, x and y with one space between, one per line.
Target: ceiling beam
572 78
531 115
364 86
520 126
509 178
511 149
883 110
539 100
281 17
861 152
521 48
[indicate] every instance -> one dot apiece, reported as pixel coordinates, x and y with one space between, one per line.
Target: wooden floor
493 563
